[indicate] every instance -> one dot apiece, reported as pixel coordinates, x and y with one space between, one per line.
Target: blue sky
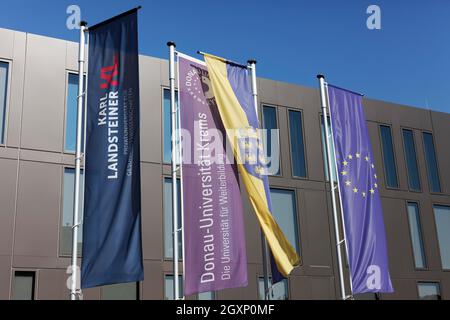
407 61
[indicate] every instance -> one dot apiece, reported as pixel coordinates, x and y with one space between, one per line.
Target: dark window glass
324 147
168 225
390 170
411 160
24 285
271 125
4 66
72 113
442 219
432 168
167 126
297 145
416 235
121 291
429 291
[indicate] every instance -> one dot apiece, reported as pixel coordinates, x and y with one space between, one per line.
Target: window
211 295
278 291
390 170
442 220
167 126
71 113
324 147
411 160
429 291
168 286
285 214
432 167
168 225
271 125
65 233
366 296
24 285
4 72
121 291
297 145
416 235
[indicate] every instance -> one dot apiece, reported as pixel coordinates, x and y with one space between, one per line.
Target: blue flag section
112 249
361 204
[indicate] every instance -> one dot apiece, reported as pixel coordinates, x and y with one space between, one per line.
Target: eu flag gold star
375 176
348 183
344 173
372 191
355 190
364 194
367 158
345 163
358 155
350 157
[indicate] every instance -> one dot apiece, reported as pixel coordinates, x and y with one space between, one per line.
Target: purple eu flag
361 204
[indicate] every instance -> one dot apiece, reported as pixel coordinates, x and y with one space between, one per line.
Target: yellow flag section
234 117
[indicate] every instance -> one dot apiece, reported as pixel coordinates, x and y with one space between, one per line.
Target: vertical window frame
423 241
437 163
61 215
437 204
280 173
66 105
261 277
324 149
418 282
163 90
382 157
34 283
297 217
6 110
305 156
410 189
180 253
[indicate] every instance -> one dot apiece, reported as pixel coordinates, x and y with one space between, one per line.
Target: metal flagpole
339 242
78 158
180 159
340 195
176 289
252 66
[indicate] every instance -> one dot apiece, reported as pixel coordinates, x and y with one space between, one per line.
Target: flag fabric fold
359 194
112 249
233 96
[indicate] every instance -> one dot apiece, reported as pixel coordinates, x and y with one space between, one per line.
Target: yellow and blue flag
231 87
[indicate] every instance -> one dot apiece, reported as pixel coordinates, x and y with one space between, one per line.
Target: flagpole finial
320 76
171 43
83 23
251 61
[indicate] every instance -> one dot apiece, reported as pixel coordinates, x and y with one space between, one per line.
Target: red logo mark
110 74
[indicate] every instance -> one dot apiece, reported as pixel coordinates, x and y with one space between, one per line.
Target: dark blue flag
361 204
112 249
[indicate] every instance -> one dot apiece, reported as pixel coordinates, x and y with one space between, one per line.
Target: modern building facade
38 88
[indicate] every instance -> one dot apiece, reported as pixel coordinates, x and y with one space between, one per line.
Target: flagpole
78 158
176 289
339 242
252 65
180 157
340 196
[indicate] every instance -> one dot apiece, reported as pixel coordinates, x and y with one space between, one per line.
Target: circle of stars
346 164
195 89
